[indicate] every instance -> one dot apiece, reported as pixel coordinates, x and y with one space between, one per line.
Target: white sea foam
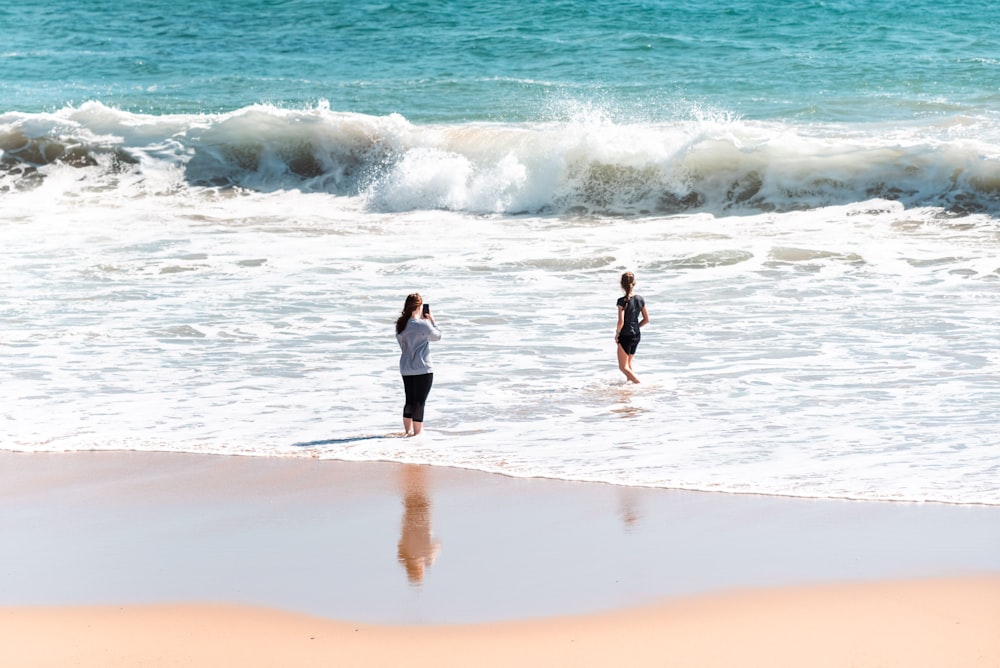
227 284
836 352
590 164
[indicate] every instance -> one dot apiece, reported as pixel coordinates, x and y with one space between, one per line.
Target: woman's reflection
417 548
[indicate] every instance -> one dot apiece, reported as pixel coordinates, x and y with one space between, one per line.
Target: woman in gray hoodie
415 329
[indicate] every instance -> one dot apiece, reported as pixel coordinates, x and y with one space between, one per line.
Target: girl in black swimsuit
630 307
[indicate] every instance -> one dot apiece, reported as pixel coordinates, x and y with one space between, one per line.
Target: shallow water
835 352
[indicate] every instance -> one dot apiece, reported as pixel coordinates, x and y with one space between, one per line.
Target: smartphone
427 309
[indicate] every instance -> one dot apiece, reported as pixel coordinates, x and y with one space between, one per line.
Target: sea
211 212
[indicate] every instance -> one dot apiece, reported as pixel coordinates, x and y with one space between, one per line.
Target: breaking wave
582 166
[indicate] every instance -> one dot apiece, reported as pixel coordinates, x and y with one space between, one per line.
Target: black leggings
417 388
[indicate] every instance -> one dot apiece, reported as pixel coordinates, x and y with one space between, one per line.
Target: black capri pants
417 388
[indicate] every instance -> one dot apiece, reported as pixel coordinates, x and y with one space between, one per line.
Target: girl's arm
621 322
645 317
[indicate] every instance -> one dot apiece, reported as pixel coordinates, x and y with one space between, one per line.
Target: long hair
628 283
411 304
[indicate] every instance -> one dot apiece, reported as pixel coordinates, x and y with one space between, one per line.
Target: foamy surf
838 352
593 165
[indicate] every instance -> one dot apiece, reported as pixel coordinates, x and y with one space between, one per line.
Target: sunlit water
844 351
207 255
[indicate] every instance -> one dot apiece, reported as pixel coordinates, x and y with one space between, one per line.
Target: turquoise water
841 60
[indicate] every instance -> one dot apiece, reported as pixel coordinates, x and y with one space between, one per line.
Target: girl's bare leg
625 365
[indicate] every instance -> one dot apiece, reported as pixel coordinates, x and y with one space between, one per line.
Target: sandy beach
168 559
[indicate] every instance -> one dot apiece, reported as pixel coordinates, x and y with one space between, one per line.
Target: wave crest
589 166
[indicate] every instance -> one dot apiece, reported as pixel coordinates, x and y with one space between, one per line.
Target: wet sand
107 550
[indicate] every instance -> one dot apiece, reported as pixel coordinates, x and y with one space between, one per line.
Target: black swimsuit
628 337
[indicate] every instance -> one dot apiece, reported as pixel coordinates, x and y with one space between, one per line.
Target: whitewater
823 294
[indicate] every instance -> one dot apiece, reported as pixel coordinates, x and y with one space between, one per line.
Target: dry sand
128 559
949 623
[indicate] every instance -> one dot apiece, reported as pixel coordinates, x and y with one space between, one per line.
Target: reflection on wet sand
417 548
628 508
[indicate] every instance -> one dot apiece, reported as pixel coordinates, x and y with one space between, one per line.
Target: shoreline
464 470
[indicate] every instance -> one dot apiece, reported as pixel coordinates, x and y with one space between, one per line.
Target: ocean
211 213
